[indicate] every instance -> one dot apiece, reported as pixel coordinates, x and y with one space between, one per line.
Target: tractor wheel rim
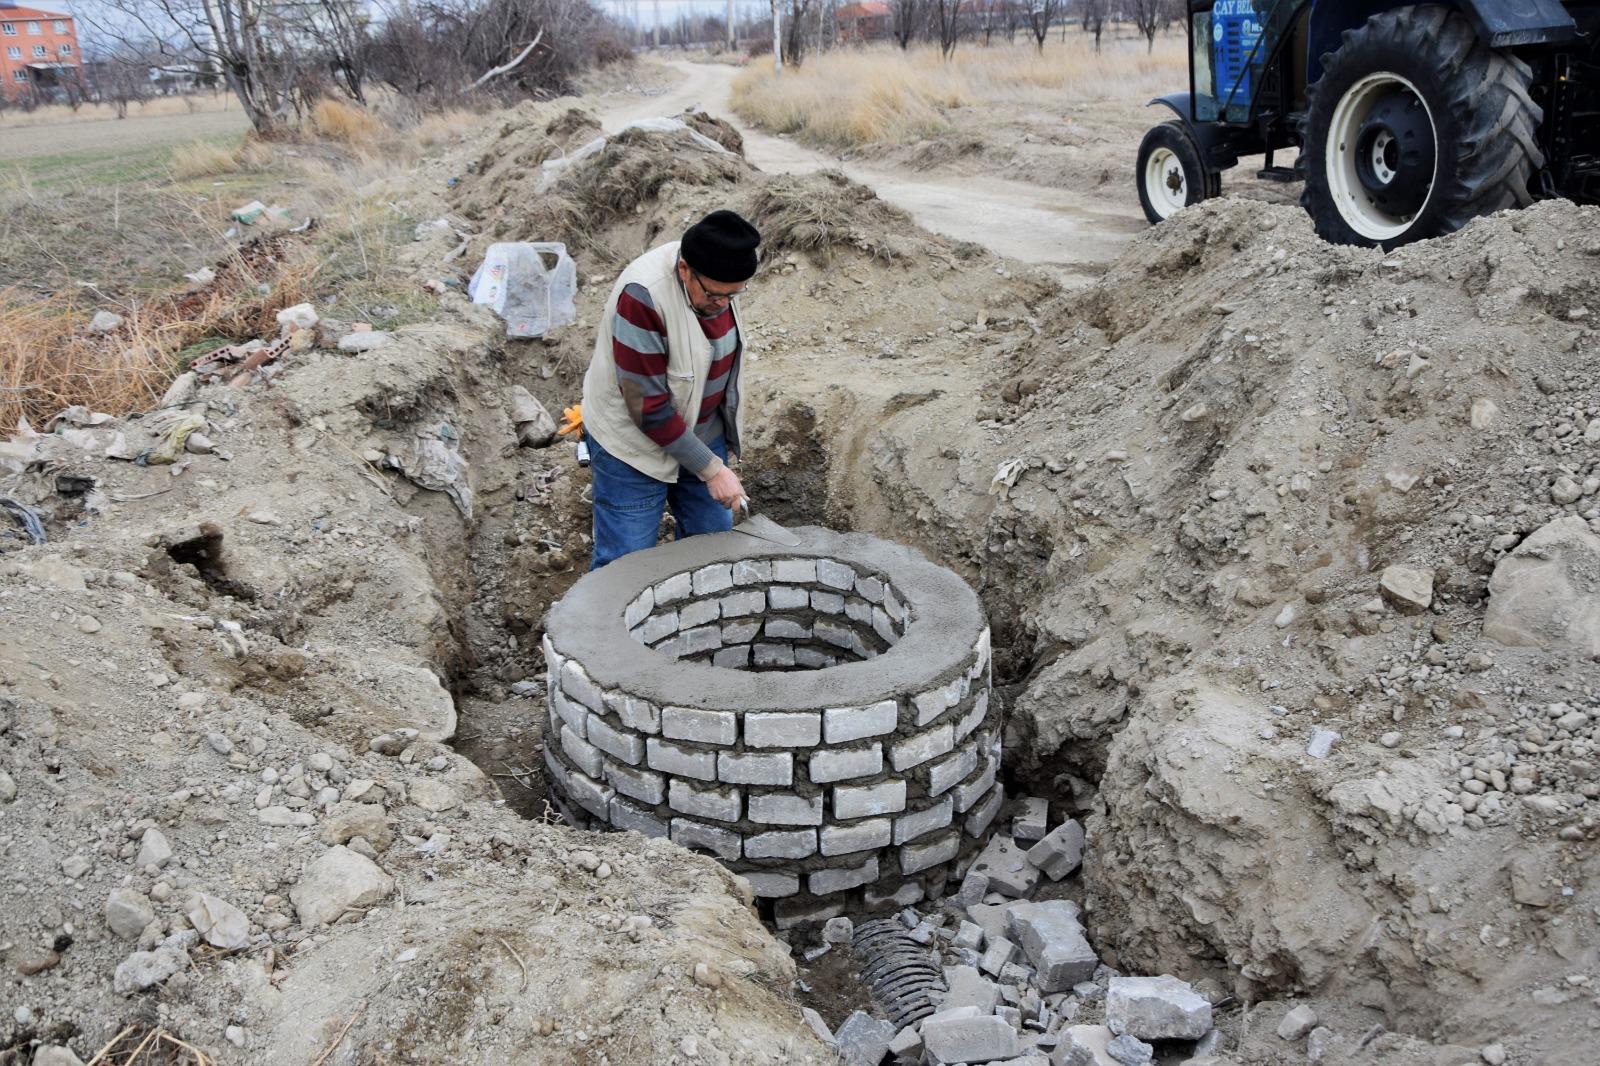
1165 182
1380 169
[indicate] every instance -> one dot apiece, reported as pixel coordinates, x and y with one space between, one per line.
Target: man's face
707 297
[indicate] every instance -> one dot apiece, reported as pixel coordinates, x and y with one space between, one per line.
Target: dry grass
883 95
444 128
343 123
818 212
202 159
56 114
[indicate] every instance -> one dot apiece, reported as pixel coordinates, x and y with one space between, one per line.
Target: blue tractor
1409 120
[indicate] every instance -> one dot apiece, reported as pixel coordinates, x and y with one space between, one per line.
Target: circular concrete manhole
816 717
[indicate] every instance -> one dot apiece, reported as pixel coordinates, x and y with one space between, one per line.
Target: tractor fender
1501 23
1214 141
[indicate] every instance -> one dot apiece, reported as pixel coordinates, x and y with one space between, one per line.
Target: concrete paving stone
642 785
1060 852
575 682
773 654
966 987
920 856
658 626
970 792
794 571
1083 1045
638 610
1031 820
843 724
575 715
752 571
1016 975
823 882
781 844
755 768
812 659
1130 1051
916 824
740 604
870 589
905 894
981 816
772 884
788 598
675 588
641 716
789 913
708 580
1156 1008
968 935
892 604
969 1040
783 808
1007 868
995 956
859 836
706 727
863 1040
884 626
947 773
974 717
629 747
585 756
725 844
684 762
786 629
919 748
724 804
782 729
868 801
740 632
858 610
625 816
705 638
1052 937
591 795
698 613
827 602
836 575
840 765
992 917
930 705
735 658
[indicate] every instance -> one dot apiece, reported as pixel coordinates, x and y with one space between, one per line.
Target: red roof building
38 51
868 21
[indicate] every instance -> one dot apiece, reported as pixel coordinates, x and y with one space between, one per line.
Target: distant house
38 52
867 21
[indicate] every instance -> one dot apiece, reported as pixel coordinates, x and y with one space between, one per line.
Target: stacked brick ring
816 717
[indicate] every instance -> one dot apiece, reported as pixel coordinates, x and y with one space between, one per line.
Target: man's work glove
572 420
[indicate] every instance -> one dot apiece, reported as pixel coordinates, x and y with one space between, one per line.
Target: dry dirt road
1050 227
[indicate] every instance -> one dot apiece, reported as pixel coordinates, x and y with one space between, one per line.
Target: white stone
1156 1008
1409 589
337 881
1297 1022
153 850
221 923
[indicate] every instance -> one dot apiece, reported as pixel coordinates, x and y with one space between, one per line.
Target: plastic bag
530 296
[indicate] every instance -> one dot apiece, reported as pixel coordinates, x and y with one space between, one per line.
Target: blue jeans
628 505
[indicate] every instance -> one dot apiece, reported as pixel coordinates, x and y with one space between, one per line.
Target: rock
1130 1051
8 787
706 976
838 931
88 624
1156 1008
335 882
1297 1023
535 427
29 960
1060 852
818 1027
221 923
153 850
864 1040
75 866
365 820
364 341
298 317
1565 491
219 743
105 322
1484 412
1053 939
1083 1045
283 817
55 1055
1532 881
1493 1054
1409 589
1541 595
966 987
143 969
128 912
1322 741
1032 820
980 1039
1318 1043
432 795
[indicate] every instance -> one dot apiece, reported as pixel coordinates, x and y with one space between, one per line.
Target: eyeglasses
712 294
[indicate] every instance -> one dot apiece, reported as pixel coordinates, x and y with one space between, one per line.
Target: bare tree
948 20
1041 13
1093 14
794 33
904 18
1148 16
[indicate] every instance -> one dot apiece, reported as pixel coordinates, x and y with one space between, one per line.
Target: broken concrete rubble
1156 1008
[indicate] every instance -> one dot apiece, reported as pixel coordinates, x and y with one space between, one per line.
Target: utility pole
733 38
777 38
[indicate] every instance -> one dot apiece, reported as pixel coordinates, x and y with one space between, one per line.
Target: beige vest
605 413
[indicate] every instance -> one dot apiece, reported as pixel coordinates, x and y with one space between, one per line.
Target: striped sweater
639 348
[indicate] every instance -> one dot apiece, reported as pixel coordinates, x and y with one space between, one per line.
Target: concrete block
867 801
1060 852
858 610
863 1040
735 658
870 589
642 785
841 765
969 792
575 715
626 816
591 795
836 575
708 580
698 613
905 894
1053 939
725 844
786 629
672 649
704 638
788 913
827 602
917 824
843 724
740 632
840 636
918 749
629 747
788 598
1156 1008
818 1027
642 716
773 655
1297 1022
968 935
1083 1045
1007 868
973 718
822 882
1031 820
783 729
794 571
752 572
920 856
966 1040
891 604
995 956
812 659
639 609
931 704
753 768
966 987
739 604
947 773
982 816
705 727
680 761
724 805
779 808
859 836
658 626
772 884
575 682
884 626
584 756
781 844
675 588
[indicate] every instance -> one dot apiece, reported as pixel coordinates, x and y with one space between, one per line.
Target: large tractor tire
1415 128
1170 172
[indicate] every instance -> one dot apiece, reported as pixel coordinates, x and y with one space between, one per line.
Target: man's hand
726 489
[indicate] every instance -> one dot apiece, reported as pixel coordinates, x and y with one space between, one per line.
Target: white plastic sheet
517 282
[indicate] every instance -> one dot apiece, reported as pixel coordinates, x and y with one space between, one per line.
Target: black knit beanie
722 247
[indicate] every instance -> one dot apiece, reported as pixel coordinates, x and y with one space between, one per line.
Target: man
661 398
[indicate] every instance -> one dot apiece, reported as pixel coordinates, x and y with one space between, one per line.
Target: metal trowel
763 528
